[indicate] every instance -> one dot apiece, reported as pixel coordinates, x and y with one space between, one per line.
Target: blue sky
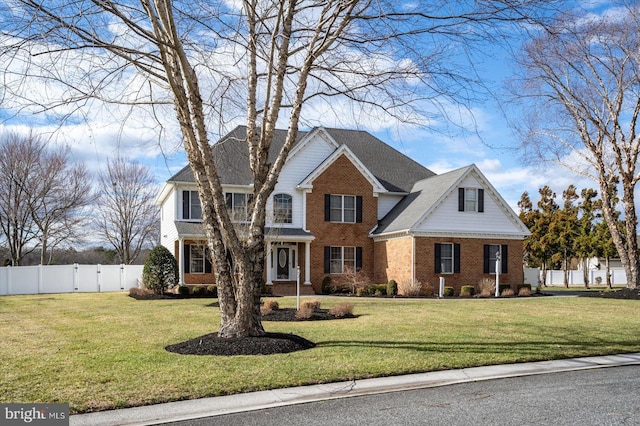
480 134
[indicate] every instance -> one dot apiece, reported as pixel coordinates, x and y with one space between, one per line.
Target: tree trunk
585 272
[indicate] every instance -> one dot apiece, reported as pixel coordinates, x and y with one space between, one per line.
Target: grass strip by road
105 351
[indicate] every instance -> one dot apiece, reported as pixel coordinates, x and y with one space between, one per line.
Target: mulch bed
269 344
625 293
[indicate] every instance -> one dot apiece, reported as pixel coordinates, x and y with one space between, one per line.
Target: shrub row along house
346 200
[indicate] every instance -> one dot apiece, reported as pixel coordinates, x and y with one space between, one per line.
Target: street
604 396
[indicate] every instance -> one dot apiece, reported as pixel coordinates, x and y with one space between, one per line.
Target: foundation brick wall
393 260
471 262
341 178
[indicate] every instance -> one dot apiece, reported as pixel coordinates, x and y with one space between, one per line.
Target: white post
307 263
40 287
99 278
181 261
75 277
269 264
441 287
498 274
298 286
122 277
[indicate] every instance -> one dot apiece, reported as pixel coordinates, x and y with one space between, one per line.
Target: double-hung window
447 258
282 208
237 204
196 256
471 200
343 208
490 255
191 209
339 260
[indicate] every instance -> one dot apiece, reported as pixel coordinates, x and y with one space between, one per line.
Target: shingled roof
395 171
423 197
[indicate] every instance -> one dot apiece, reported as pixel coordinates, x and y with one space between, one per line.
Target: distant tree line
49 205
562 234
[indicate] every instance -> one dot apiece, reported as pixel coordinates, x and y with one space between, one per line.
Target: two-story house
345 199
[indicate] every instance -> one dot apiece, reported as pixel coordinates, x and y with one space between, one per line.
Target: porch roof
194 230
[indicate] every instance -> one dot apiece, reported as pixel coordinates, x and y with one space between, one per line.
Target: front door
282 263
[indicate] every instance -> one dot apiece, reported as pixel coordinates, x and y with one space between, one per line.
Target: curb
210 407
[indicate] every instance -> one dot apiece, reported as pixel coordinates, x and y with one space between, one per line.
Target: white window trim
233 208
342 208
442 269
192 193
342 258
191 258
289 215
467 200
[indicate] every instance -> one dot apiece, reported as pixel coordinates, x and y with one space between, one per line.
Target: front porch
288 260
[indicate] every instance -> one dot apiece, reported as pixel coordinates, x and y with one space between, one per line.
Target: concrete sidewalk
207 407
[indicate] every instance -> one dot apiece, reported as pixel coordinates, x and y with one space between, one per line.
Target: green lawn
103 351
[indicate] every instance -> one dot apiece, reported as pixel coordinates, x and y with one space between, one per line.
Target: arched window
282 208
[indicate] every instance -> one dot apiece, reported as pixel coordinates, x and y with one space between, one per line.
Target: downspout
413 258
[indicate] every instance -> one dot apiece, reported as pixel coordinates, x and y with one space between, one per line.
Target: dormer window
471 200
191 209
282 208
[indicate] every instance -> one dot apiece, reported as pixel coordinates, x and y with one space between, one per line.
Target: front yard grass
105 351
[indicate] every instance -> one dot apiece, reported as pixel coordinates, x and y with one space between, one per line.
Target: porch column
269 279
307 263
180 261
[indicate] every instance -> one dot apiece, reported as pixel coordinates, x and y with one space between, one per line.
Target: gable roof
422 199
343 150
394 170
427 194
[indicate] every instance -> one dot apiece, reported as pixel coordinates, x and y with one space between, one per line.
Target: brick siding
340 178
395 256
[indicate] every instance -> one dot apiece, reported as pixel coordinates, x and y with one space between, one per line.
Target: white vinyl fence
42 279
576 278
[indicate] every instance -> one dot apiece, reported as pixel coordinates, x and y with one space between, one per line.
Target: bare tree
126 214
582 93
18 157
60 192
42 196
262 61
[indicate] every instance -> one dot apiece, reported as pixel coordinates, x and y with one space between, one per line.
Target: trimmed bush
467 291
313 304
392 288
362 291
199 291
268 306
524 291
410 288
521 286
212 291
341 310
380 290
183 290
448 291
508 292
505 287
305 312
326 285
160 271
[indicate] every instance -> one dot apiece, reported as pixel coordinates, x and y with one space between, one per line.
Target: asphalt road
605 396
